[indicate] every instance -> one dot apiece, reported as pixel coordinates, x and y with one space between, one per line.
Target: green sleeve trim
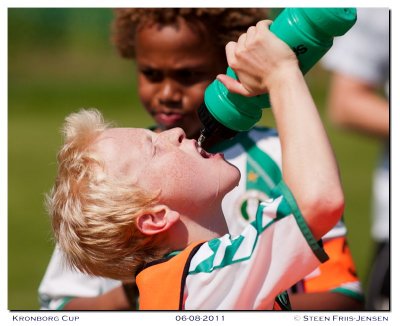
349 293
64 302
207 266
312 242
262 162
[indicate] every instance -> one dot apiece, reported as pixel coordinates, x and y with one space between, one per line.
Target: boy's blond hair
93 214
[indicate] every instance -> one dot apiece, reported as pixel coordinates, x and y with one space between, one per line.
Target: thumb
233 85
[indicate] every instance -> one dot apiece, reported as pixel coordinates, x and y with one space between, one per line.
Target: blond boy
127 200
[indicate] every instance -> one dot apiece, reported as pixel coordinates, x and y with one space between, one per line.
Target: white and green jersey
257 154
248 271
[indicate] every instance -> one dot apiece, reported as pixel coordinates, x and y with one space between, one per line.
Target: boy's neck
191 229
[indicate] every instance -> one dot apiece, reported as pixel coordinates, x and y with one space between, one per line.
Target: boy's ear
158 219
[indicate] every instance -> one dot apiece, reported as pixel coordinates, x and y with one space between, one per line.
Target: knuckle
240 54
251 29
234 64
264 23
230 45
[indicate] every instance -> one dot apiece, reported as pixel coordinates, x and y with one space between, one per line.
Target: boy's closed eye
157 149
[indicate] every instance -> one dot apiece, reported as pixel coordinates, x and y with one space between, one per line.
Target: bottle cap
331 21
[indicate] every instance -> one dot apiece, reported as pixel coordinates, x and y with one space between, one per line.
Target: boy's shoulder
160 282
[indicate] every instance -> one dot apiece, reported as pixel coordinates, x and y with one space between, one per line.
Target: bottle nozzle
213 131
201 139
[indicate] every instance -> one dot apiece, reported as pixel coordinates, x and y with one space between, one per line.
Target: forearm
264 64
112 300
309 166
324 301
360 109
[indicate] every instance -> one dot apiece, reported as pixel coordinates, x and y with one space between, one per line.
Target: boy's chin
237 177
235 180
229 179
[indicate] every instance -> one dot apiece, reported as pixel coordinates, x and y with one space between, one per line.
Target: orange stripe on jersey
160 285
338 270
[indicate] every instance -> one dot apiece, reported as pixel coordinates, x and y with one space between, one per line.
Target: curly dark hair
223 24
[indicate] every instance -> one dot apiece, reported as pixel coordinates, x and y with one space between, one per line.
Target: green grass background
61 60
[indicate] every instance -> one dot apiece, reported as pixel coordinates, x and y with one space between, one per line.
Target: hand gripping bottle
309 32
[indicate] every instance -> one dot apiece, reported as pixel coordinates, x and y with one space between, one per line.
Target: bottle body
309 32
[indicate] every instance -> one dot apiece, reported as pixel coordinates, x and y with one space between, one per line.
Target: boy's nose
175 135
169 92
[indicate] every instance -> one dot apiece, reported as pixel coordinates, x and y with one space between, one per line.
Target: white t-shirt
61 283
363 52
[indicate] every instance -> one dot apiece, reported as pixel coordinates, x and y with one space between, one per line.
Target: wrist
284 76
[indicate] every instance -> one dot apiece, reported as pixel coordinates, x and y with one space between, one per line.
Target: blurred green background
61 60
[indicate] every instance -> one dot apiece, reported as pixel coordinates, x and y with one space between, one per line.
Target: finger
230 49
262 29
263 24
241 43
233 85
251 31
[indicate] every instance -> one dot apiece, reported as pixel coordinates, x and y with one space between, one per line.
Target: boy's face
175 65
168 162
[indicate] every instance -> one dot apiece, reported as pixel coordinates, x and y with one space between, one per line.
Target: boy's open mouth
201 151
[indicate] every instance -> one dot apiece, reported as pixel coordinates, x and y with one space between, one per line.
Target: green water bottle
309 32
